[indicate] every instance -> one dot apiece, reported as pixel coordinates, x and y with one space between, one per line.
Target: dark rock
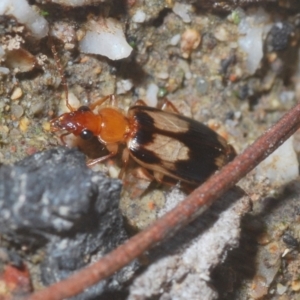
290 241
279 36
52 199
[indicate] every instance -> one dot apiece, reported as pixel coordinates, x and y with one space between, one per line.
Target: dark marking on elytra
203 143
145 155
146 128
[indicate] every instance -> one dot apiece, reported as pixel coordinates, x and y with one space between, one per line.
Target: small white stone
281 166
281 289
188 75
253 29
182 10
2 53
175 39
4 70
105 37
139 16
162 75
123 86
151 95
221 34
24 14
113 171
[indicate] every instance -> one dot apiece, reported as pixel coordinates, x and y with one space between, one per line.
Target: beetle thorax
114 126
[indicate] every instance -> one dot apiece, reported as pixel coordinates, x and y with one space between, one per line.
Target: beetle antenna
63 79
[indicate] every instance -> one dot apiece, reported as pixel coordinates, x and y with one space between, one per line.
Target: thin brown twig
185 212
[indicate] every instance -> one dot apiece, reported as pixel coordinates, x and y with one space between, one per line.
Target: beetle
165 143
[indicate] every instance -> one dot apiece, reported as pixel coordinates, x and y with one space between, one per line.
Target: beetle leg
140 103
62 138
125 160
99 102
113 100
169 106
112 148
144 174
158 177
92 162
162 179
137 181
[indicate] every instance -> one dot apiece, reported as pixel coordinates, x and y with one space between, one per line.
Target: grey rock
52 200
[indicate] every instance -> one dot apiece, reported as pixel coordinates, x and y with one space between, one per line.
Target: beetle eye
86 134
83 108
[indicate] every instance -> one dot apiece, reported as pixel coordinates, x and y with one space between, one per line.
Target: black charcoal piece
52 199
279 35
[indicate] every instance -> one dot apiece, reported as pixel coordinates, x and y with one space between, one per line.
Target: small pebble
64 32
16 94
162 92
4 70
182 10
290 241
24 122
113 171
14 133
281 166
37 107
281 289
4 131
201 86
263 239
190 40
162 75
151 94
69 46
295 285
221 34
97 70
139 17
123 86
175 39
259 287
17 110
46 126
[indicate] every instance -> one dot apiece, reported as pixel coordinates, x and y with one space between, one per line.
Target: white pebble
281 289
24 14
151 95
123 86
4 70
182 10
221 34
2 53
162 75
175 39
139 17
281 166
105 37
253 28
